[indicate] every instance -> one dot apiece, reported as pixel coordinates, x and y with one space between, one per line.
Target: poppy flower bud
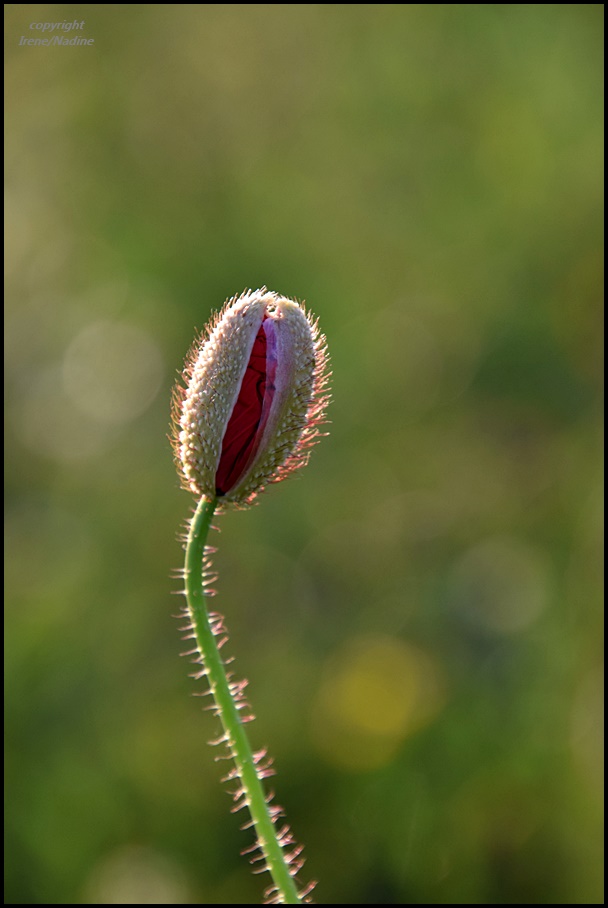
255 393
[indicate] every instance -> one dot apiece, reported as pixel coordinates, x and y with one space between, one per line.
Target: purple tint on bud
250 414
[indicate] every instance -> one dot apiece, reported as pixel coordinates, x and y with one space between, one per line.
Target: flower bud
255 393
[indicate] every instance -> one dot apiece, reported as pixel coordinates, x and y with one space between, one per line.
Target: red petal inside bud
250 414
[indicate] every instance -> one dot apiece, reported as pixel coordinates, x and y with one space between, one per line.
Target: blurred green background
419 615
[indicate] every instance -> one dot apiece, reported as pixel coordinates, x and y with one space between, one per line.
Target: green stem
230 717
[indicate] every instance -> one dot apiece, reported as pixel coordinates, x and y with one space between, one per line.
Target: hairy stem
236 737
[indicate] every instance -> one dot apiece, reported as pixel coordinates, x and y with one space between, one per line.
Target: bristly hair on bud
254 393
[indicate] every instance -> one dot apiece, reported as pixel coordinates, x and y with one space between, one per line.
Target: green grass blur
419 615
